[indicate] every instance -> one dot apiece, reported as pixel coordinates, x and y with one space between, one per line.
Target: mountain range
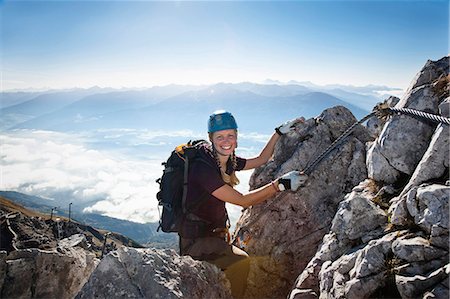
169 106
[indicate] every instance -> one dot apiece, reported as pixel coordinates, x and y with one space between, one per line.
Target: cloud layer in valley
64 168
60 167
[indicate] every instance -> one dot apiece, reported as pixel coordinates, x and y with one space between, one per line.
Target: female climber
205 227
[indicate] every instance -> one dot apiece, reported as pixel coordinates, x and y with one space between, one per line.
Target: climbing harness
382 111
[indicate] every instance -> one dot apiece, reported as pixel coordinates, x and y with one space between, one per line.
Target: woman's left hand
289 126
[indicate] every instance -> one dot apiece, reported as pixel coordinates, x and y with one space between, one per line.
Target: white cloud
256 137
392 92
49 164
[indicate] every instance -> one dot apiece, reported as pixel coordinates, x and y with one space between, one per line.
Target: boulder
416 249
357 274
430 285
430 207
357 220
357 215
426 206
404 139
434 163
154 273
286 231
36 273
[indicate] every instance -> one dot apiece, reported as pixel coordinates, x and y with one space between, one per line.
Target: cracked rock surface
404 254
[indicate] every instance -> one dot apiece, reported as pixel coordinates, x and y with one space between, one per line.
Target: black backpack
173 185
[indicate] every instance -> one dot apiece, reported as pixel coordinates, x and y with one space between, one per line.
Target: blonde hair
229 179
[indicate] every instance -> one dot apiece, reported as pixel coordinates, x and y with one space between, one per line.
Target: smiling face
225 141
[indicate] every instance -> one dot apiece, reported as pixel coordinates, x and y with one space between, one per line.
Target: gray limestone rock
357 274
404 139
357 215
427 207
153 273
431 71
295 222
416 249
439 236
378 166
406 149
430 206
415 286
307 283
399 211
35 273
375 124
444 108
434 163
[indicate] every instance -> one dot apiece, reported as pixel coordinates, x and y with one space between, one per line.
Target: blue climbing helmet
221 120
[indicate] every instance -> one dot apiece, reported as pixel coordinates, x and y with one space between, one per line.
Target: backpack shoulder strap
185 184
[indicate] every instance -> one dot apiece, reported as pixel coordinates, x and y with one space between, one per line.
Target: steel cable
425 115
308 170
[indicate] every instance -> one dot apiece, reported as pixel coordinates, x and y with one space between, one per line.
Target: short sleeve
205 176
240 163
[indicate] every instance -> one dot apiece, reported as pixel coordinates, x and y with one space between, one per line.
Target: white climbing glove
289 126
292 181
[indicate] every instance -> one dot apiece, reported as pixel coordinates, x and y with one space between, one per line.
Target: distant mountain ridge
159 107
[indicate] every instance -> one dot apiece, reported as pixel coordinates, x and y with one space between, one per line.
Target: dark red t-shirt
203 180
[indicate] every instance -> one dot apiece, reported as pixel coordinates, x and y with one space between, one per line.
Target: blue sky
62 44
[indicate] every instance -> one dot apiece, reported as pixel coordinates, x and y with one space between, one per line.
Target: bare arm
265 154
267 151
228 194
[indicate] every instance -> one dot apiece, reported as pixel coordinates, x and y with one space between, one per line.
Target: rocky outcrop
404 139
46 258
285 235
390 235
36 273
153 273
37 261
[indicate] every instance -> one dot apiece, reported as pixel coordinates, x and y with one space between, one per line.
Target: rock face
404 139
153 273
390 235
285 235
375 124
36 273
36 261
